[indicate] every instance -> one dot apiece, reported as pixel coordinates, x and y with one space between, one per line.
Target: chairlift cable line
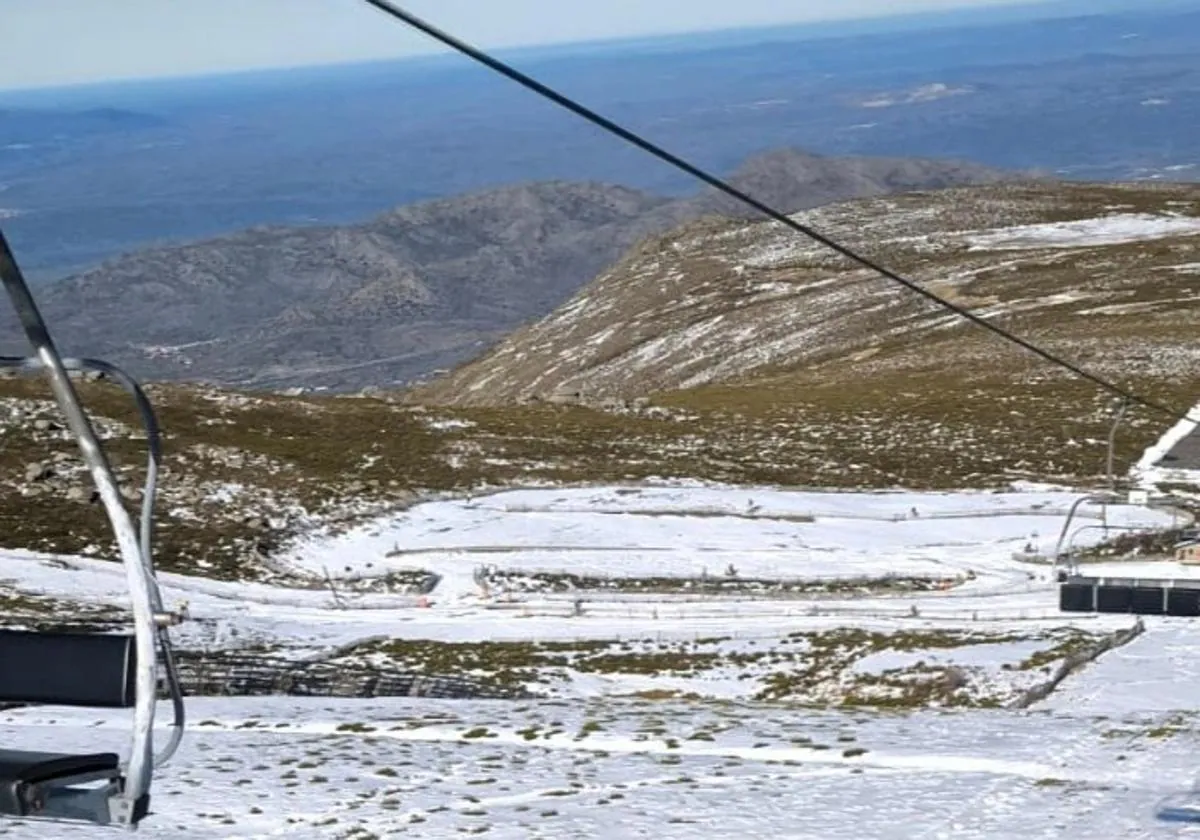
482 57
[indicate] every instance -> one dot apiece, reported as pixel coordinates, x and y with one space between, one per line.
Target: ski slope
402 768
615 755
977 539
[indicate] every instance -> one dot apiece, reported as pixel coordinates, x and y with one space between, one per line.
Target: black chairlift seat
65 669
45 784
1178 597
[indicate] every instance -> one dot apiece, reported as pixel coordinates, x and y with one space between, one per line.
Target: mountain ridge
730 303
410 291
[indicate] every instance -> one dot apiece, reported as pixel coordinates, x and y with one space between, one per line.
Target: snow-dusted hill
1103 273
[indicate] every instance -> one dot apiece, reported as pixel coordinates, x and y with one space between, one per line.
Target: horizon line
566 49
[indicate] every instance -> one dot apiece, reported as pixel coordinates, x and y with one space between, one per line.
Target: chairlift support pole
1095 498
1122 407
146 601
1112 440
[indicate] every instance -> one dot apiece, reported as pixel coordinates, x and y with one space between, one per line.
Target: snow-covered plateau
672 691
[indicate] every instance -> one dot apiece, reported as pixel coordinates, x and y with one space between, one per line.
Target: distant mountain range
414 290
111 169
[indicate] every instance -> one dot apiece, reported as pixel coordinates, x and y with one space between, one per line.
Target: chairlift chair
90 669
1079 593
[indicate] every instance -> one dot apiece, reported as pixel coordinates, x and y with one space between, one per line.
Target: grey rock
39 471
955 678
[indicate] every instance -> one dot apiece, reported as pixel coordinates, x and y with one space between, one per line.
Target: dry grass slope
731 303
245 473
882 392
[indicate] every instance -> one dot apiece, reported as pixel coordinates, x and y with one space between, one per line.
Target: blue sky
68 41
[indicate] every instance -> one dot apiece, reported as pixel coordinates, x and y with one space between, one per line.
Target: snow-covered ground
976 539
1154 674
308 769
616 754
1106 230
688 531
1149 470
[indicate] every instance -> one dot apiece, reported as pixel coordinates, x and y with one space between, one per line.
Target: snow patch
1148 472
1108 230
1183 268
924 93
448 424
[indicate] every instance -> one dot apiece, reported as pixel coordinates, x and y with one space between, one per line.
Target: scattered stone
954 678
39 471
565 395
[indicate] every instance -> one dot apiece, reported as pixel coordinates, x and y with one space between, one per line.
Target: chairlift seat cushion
67 669
19 771
1165 597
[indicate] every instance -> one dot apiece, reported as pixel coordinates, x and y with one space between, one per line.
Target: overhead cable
476 54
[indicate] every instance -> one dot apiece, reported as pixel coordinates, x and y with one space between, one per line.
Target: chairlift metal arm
28 364
1112 442
145 599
